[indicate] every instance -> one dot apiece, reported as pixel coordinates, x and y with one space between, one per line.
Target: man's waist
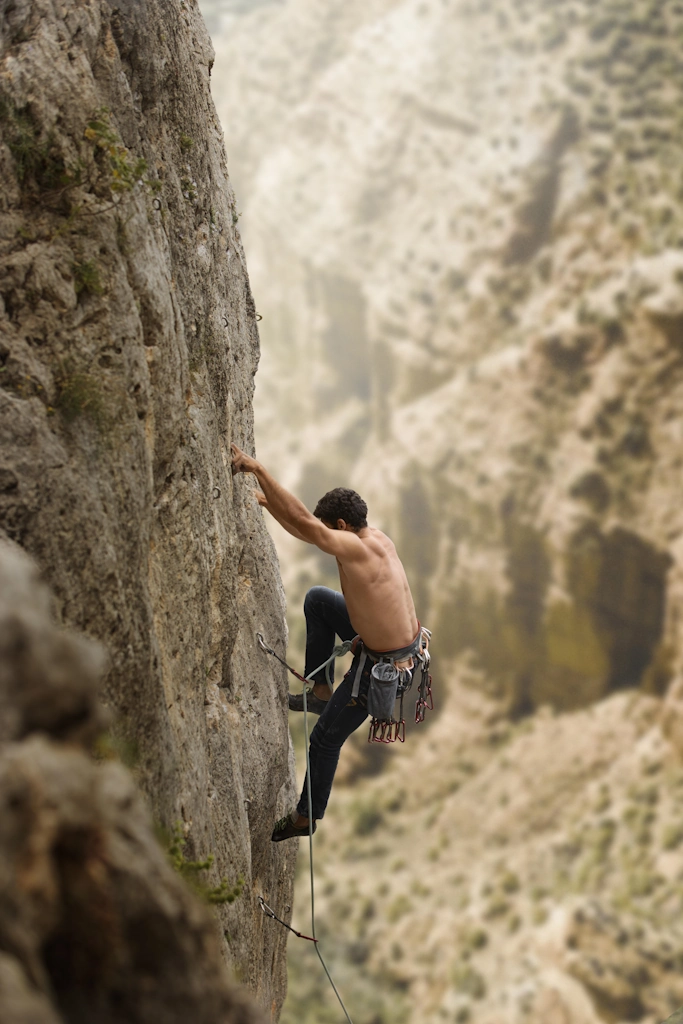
396 653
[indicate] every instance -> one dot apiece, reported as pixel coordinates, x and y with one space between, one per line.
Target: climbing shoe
314 704
285 829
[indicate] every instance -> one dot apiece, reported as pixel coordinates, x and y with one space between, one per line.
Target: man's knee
315 598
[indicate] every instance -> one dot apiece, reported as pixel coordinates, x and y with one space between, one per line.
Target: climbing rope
336 653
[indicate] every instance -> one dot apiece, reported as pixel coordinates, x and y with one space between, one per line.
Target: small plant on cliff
126 171
41 169
87 277
79 394
191 871
112 747
189 189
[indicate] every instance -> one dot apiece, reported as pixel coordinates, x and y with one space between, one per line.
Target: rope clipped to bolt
269 650
269 912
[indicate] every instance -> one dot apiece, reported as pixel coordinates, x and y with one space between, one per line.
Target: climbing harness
336 653
389 683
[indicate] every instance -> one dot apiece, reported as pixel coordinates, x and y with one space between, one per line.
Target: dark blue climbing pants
342 716
326 616
326 619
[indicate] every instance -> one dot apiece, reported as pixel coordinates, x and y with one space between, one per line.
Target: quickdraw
269 650
390 730
425 699
269 912
336 653
387 732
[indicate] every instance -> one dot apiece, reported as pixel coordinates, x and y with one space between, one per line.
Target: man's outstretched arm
263 502
285 507
292 514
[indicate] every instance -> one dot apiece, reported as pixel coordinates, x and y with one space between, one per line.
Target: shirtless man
376 605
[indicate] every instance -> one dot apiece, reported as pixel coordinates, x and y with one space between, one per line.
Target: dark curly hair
342 503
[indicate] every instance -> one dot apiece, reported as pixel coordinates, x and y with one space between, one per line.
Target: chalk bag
382 690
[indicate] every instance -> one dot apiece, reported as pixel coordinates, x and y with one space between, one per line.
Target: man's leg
326 619
342 716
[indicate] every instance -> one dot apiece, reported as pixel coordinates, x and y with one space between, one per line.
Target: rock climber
375 605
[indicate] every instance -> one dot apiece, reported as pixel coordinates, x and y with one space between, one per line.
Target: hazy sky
213 9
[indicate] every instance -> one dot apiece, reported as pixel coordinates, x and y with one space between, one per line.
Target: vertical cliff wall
128 347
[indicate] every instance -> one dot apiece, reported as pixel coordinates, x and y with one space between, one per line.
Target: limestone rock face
128 346
464 231
94 922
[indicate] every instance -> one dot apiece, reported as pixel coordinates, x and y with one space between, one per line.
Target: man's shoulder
377 548
377 538
368 545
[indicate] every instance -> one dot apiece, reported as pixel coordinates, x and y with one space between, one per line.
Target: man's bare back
372 577
377 593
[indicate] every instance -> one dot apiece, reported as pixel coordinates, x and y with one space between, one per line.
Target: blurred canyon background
463 223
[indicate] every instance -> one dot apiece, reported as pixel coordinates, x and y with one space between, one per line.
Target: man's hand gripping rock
243 463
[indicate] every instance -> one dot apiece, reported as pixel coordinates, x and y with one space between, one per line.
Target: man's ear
341 524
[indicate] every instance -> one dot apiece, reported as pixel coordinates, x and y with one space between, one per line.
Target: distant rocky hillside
465 234
463 223
128 347
505 874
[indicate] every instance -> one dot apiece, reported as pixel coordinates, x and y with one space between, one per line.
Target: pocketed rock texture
94 923
128 346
